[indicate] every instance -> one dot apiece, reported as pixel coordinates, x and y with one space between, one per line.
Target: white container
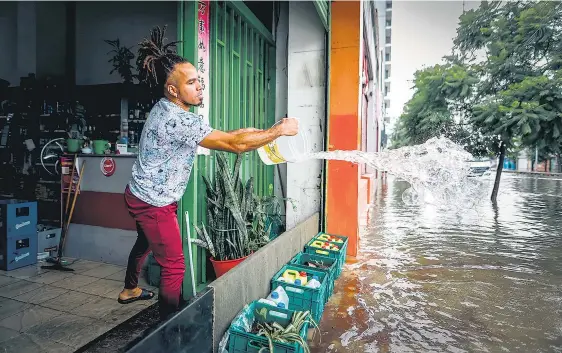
285 149
268 302
279 296
313 283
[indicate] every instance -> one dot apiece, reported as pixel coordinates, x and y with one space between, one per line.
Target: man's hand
289 126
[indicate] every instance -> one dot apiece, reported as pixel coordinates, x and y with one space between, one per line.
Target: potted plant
121 61
236 217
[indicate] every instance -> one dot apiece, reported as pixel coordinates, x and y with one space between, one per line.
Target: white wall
128 21
8 30
51 38
17 41
306 100
30 43
39 45
26 38
281 93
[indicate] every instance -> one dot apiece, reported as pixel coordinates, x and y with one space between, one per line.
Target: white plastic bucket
285 149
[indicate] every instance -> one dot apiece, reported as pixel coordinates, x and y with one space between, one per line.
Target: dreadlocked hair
156 60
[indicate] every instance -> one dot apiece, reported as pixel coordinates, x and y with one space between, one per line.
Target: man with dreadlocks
161 171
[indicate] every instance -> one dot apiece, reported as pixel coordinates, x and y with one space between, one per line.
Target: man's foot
130 295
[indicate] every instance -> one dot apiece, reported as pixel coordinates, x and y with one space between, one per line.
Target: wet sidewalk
340 314
55 311
479 278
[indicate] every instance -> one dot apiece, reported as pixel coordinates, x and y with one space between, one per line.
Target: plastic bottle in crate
313 283
279 296
296 277
267 301
324 245
330 238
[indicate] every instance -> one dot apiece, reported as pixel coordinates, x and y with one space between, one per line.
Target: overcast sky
422 33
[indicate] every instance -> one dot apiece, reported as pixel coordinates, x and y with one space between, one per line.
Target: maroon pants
159 232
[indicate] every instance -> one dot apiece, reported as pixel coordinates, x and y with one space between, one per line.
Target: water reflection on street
427 280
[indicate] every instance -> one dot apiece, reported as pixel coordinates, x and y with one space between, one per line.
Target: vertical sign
203 62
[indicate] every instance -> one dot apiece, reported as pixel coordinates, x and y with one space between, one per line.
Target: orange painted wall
344 132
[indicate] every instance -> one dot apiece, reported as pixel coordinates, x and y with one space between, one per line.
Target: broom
58 262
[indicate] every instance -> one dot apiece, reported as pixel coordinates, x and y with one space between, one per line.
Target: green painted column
187 34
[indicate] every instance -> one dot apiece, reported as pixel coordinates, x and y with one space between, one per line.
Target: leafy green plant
236 217
274 332
121 61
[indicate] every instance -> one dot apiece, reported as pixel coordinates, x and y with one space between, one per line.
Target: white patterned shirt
166 153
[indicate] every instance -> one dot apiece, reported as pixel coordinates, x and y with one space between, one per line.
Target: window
389 4
388 22
387 39
386 74
387 57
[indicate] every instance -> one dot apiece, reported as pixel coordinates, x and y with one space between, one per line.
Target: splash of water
437 170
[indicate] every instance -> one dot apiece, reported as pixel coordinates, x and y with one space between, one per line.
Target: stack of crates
18 234
323 257
332 246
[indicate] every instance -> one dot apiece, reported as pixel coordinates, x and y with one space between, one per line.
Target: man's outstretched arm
239 142
246 129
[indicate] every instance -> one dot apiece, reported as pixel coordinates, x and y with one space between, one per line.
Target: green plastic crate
302 298
340 254
301 258
241 341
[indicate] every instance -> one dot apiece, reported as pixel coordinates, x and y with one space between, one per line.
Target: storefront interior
70 101
68 88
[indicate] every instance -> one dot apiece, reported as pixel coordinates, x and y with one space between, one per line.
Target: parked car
479 167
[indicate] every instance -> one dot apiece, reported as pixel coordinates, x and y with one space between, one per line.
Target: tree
434 110
500 90
519 78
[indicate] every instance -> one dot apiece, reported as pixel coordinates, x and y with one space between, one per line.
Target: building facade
320 61
384 9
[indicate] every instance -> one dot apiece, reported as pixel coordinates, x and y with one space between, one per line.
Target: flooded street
426 280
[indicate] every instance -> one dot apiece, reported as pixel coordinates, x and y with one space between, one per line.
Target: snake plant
274 332
236 217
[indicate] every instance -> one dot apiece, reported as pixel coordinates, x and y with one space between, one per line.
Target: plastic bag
245 318
223 344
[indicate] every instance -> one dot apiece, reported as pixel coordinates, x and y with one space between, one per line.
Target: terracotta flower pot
222 267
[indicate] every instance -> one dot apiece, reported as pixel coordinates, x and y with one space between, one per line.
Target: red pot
222 267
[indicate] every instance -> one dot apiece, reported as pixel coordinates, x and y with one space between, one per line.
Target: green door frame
187 35
323 9
254 105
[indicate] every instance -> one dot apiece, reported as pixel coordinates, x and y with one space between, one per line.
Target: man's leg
167 249
139 210
134 265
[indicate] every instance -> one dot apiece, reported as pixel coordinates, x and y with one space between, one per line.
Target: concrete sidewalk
543 174
54 311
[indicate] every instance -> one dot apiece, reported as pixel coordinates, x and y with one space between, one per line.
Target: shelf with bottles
139 109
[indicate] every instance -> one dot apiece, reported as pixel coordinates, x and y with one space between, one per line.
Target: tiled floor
53 311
